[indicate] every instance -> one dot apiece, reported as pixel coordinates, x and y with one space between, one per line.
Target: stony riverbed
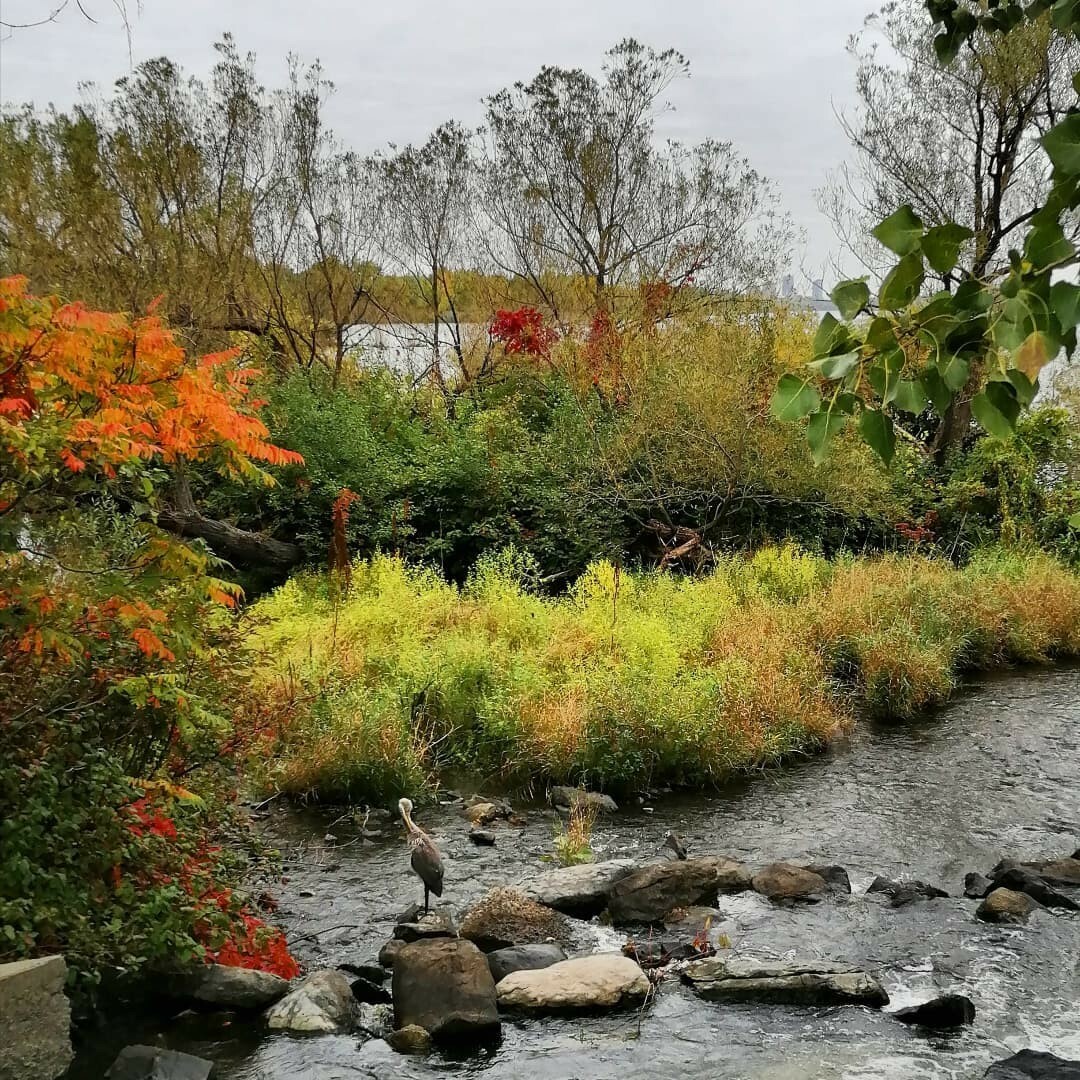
995 775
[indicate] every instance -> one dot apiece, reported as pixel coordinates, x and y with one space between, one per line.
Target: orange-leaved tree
109 631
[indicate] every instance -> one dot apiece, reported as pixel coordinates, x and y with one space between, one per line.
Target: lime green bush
628 678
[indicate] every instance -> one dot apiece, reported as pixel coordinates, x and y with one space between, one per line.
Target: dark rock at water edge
482 837
567 797
976 886
580 890
389 951
444 985
946 1011
411 1039
414 925
369 993
1025 881
503 962
651 893
1006 906
905 892
1033 1065
657 952
723 979
154 1063
782 881
372 972
1061 873
835 877
229 987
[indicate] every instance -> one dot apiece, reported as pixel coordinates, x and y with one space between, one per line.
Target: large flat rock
649 894
578 890
602 981
35 1019
723 979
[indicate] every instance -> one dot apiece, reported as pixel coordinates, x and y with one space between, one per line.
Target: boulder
601 981
835 877
501 807
323 1002
651 893
390 950
1033 1065
905 892
369 993
578 890
414 925
444 986
505 917
482 813
482 837
35 1019
1006 906
1063 873
372 972
782 881
503 962
946 1011
1020 879
154 1063
723 979
233 987
375 1021
976 886
411 1039
568 797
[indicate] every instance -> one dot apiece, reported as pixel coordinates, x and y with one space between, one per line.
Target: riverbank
627 680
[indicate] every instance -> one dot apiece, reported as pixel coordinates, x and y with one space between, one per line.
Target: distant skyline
766 77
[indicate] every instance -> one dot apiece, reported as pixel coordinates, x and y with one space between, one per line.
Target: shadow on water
996 773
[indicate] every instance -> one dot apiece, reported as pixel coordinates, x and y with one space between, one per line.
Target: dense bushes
628 679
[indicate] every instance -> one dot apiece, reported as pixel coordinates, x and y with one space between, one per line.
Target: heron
426 861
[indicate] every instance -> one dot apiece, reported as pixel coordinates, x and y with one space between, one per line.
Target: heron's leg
425 899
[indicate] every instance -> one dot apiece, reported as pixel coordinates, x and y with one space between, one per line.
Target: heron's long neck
413 830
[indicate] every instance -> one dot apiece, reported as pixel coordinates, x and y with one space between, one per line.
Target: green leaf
823 425
954 372
1062 143
1024 387
884 374
997 409
910 396
830 333
794 398
1065 300
1047 245
1074 521
850 297
900 232
941 245
880 335
939 394
970 295
836 367
877 429
903 283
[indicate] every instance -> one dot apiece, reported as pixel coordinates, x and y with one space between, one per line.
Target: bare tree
957 143
577 185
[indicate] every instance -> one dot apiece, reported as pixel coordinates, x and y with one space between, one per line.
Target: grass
572 842
627 679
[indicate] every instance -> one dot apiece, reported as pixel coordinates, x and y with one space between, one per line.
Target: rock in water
375 1021
782 881
369 993
567 798
578 890
947 1011
154 1063
411 1039
390 950
976 886
588 982
1063 873
1006 906
233 987
1033 1065
723 979
648 895
482 813
35 1019
323 1002
372 972
1020 880
482 837
445 987
905 892
505 962
506 917
414 925
835 877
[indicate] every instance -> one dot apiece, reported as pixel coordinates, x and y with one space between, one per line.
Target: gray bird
426 861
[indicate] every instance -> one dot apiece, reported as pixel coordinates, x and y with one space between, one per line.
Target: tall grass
628 679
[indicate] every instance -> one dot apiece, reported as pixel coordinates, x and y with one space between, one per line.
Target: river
996 773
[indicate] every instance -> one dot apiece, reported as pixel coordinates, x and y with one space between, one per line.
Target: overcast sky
765 74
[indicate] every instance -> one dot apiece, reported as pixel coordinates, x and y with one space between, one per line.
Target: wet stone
835 877
482 837
1021 880
1006 906
372 972
782 881
369 993
411 1039
604 980
905 892
1033 1065
155 1063
976 886
322 1003
946 1011
648 895
578 890
414 925
568 797
723 979
503 962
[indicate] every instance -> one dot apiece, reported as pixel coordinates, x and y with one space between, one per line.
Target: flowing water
995 774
